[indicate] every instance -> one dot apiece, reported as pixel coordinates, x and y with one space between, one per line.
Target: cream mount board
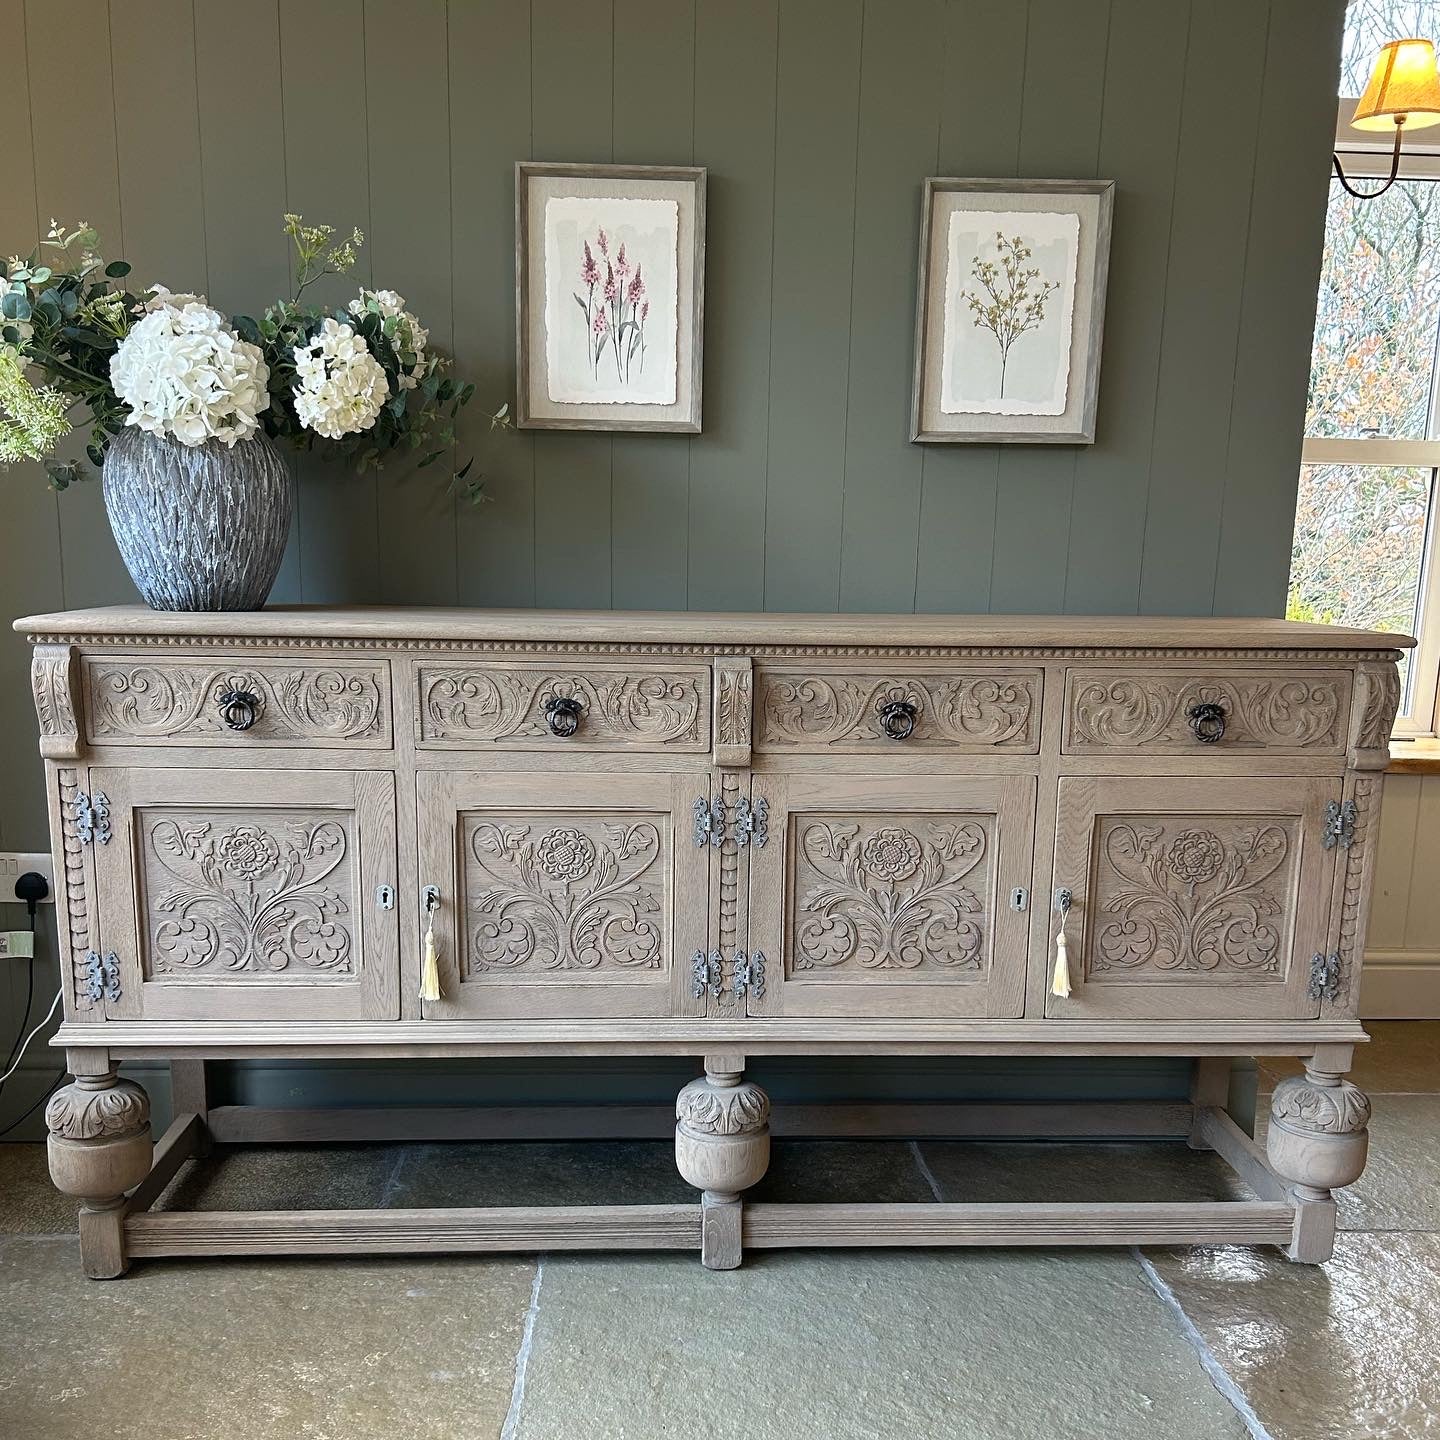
707 835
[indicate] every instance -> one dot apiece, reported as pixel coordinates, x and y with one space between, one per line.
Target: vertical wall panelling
979 134
1139 133
408 129
1278 300
572 117
242 190
1208 237
489 130
30 562
900 78
327 172
816 115
654 112
735 139
1064 77
77 178
1394 862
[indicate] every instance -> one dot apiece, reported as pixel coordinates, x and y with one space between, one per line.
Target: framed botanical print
1010 309
609 296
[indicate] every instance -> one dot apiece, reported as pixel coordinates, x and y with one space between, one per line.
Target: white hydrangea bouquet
360 381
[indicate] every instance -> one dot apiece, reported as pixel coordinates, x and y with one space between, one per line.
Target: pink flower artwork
615 318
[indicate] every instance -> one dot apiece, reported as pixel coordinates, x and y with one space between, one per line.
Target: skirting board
1400 985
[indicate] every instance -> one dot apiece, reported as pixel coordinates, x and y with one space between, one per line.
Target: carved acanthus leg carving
99 1147
1318 1143
722 1146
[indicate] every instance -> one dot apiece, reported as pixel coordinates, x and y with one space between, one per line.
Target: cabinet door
883 896
1193 899
250 894
564 895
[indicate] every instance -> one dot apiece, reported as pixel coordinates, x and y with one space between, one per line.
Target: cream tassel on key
1060 980
430 968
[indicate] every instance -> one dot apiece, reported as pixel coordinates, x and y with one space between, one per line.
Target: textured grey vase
200 527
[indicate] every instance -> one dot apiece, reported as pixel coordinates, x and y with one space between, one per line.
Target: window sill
1414 757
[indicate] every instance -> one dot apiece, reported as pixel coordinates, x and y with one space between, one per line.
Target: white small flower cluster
341 384
184 372
408 333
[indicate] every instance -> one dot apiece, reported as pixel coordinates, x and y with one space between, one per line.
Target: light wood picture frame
609 296
1010 310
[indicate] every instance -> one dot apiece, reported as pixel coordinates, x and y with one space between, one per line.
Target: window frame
1366 155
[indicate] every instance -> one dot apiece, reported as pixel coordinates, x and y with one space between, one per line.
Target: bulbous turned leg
99 1147
1318 1142
722 1146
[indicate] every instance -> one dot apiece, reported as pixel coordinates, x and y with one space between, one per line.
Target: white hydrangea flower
409 333
342 386
184 372
158 297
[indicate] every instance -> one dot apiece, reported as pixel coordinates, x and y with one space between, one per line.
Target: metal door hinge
749 974
1326 975
709 821
705 973
92 817
1339 825
102 976
752 822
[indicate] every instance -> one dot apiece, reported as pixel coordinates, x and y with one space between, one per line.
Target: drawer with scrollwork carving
1199 710
828 712
544 706
130 701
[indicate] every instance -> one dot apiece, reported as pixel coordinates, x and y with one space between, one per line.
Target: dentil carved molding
248 896
127 700
82 1112
889 894
1189 893
976 711
1132 712
1302 1104
587 895
620 707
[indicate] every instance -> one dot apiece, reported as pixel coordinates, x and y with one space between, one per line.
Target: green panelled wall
183 130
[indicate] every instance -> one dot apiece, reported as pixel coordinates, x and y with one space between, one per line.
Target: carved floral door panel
879 896
564 895
249 894
1193 899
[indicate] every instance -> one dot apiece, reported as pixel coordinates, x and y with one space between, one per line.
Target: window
1366 522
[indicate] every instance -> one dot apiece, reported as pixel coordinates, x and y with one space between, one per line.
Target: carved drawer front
1204 711
1193 899
227 700
562 896
596 706
245 894
878 897
823 711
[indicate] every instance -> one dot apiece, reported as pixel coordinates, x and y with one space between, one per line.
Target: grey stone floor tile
542 1173
964 1345
1152 1170
1400 1189
1338 1351
285 1177
29 1203
248 1350
820 1172
1403 1056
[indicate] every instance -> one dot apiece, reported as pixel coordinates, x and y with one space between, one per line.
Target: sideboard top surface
419 625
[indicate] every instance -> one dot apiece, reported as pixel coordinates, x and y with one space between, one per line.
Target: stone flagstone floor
959 1344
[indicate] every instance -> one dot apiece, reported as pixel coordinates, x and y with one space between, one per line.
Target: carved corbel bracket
1377 697
54 679
734 710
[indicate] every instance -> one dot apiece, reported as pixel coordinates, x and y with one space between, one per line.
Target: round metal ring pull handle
562 715
1207 720
239 709
897 719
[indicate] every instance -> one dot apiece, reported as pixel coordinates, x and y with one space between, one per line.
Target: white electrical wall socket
17 944
15 863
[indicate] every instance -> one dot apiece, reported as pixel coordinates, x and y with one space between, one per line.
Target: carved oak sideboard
410 833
